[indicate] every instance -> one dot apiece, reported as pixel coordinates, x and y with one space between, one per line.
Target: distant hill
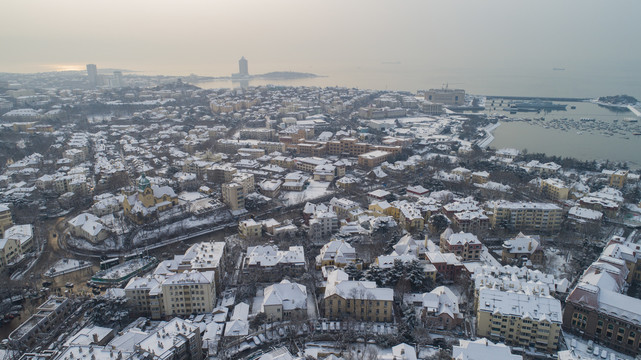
278 75
618 100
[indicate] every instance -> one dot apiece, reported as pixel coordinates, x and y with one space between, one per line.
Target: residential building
358 300
284 301
233 195
447 264
480 177
482 349
176 339
519 319
9 252
598 310
184 293
47 318
618 178
322 225
465 245
535 216
88 227
437 309
555 189
475 222
522 248
268 263
6 220
373 158
250 229
336 253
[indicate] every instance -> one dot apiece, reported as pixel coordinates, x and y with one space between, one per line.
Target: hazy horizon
436 38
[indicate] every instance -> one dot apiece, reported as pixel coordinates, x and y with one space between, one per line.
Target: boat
572 107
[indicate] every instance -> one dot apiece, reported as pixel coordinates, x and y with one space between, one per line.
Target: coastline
489 136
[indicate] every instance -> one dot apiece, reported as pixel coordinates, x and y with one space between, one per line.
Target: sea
608 137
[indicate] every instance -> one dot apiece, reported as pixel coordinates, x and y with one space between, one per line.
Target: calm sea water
608 135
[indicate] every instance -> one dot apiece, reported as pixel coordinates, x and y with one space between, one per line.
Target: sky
207 37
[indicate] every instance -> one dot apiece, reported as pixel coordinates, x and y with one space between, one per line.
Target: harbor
583 130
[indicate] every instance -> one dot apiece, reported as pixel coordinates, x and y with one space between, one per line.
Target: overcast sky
207 37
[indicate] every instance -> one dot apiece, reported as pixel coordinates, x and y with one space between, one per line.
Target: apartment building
555 189
220 173
250 229
48 317
372 158
519 319
160 296
233 195
618 178
535 216
464 245
597 308
270 264
6 220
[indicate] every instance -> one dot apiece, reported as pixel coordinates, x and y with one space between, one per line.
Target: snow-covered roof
291 296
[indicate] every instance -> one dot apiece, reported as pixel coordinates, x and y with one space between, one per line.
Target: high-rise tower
92 73
243 70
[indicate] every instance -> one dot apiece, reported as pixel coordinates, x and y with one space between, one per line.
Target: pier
566 99
634 110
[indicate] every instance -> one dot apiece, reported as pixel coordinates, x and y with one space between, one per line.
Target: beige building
372 158
519 319
9 252
160 296
618 178
250 229
148 200
233 195
555 189
5 218
525 215
284 301
446 96
358 300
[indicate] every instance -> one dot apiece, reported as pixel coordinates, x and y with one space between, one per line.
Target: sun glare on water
66 67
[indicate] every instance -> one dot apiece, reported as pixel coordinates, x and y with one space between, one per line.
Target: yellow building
5 219
372 158
148 200
250 229
160 296
233 195
358 300
9 252
525 215
480 177
555 189
618 178
519 319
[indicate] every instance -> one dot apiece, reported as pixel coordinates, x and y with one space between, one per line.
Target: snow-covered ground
179 227
65 266
580 348
315 190
557 263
